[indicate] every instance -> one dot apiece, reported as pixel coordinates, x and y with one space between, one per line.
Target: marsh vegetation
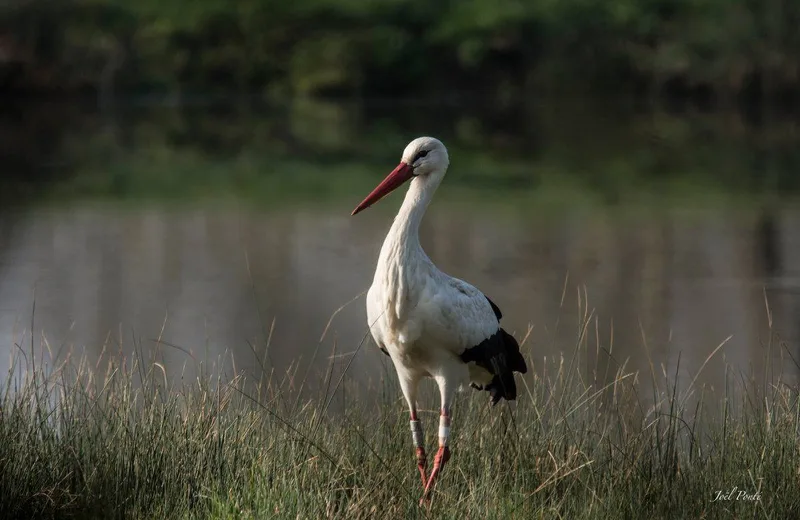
116 437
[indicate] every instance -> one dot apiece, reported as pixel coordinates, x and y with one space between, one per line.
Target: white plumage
429 323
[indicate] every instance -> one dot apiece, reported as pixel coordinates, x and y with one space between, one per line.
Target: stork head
424 158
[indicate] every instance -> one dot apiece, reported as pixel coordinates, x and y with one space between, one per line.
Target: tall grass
116 439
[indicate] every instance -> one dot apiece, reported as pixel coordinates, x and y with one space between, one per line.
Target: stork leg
446 388
408 384
419 443
442 455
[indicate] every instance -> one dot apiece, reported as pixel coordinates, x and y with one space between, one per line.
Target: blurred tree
377 47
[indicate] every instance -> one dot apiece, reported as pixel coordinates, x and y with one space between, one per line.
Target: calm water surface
217 276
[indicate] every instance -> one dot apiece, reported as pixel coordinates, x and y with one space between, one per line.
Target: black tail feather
516 361
500 355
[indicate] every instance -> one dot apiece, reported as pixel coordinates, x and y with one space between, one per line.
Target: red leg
442 456
422 464
419 442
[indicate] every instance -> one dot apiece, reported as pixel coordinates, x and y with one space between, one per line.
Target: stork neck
405 229
403 263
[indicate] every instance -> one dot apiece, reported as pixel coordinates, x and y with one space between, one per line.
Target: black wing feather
495 308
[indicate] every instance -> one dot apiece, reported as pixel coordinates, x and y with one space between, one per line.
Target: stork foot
442 456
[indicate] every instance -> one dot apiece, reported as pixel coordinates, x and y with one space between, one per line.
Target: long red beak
399 175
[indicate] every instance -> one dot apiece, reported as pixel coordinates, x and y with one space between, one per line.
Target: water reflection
250 227
215 279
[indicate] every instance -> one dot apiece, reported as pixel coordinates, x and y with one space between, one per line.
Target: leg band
444 430
416 432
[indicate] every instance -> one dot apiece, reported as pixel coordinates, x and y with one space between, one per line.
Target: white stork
429 323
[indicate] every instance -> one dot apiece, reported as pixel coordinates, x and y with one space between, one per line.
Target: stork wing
456 315
480 338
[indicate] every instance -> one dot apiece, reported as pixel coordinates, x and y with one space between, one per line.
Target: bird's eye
420 155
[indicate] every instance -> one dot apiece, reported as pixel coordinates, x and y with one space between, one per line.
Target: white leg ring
444 431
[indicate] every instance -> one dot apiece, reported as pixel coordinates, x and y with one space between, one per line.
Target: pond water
215 232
